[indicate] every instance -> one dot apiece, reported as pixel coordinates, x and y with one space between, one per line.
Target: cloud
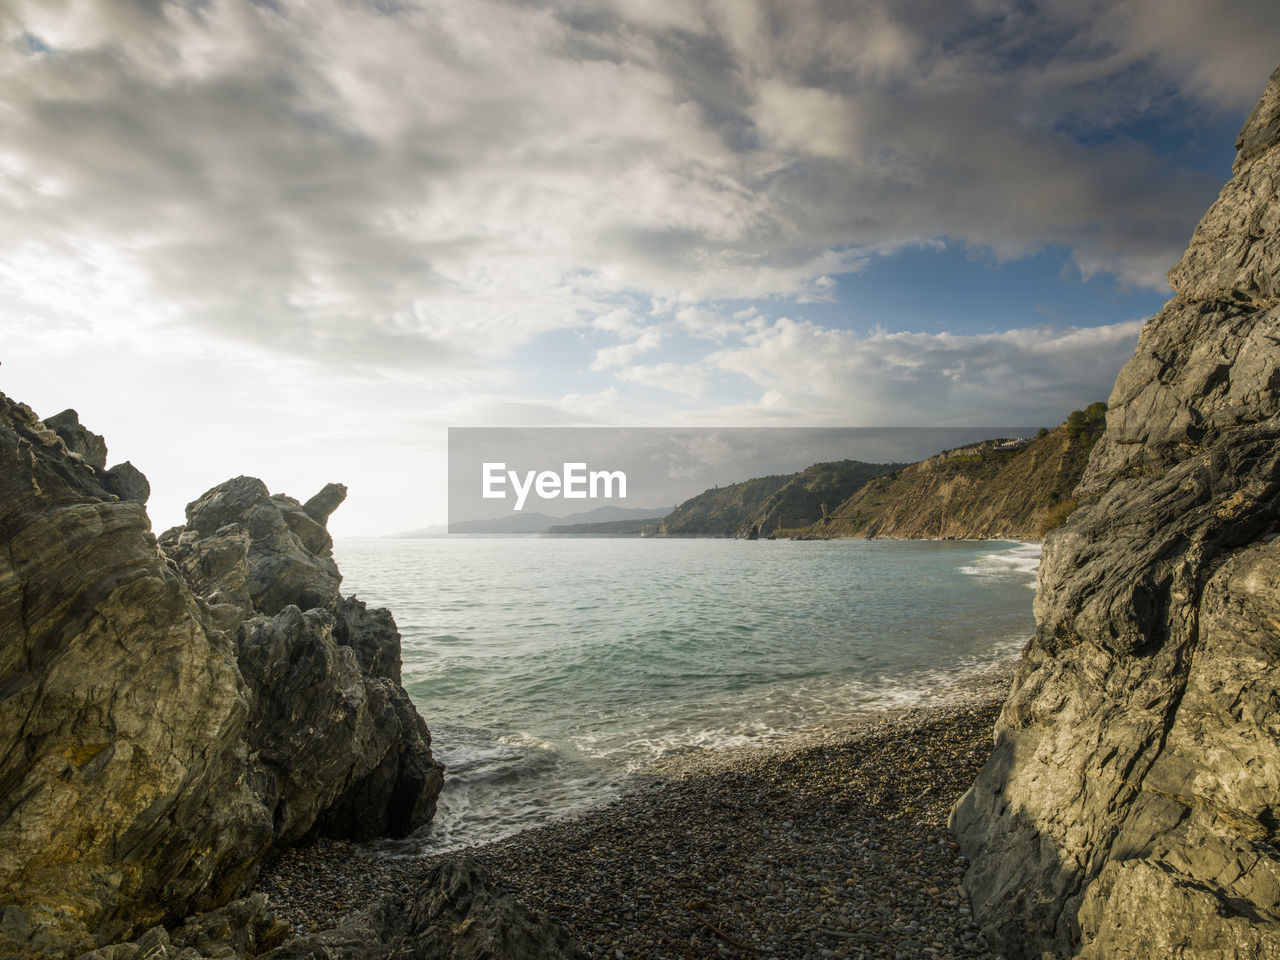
427 186
713 325
683 379
806 373
1222 51
624 353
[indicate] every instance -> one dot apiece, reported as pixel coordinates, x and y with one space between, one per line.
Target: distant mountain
770 506
1015 488
535 523
639 527
609 513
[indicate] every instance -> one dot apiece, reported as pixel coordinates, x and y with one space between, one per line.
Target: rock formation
171 718
1131 807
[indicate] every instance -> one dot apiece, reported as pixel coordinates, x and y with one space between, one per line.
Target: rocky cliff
1011 489
1131 806
171 717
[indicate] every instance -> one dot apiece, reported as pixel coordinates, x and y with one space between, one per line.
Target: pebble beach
833 846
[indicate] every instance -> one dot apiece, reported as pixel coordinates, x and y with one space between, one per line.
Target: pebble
833 847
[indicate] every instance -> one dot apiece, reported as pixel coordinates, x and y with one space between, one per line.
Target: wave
791 711
1022 561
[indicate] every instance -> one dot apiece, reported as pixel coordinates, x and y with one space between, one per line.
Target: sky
302 240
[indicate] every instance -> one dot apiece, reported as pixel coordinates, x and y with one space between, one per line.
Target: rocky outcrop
1131 806
124 480
287 556
339 748
127 482
171 718
84 443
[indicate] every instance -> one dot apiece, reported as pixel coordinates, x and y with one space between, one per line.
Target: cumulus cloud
806 373
428 185
623 353
683 379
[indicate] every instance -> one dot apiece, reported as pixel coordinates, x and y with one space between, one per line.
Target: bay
553 671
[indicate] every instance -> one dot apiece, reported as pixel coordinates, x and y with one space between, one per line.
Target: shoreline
831 845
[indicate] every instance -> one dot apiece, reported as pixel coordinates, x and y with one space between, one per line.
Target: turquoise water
551 670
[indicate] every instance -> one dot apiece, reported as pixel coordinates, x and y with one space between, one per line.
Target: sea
555 673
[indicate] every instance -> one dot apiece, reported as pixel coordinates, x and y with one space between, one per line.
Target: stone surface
171 719
241 929
127 482
338 752
121 793
454 915
319 507
1131 806
340 749
289 557
84 443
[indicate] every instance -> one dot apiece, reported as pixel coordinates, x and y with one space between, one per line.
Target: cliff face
169 721
976 491
1131 807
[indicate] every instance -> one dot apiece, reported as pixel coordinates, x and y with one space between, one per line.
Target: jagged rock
280 567
325 502
1131 806
323 670
305 527
127 482
338 752
216 567
241 929
372 634
454 915
171 721
86 444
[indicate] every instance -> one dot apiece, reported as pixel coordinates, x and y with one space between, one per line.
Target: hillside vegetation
988 489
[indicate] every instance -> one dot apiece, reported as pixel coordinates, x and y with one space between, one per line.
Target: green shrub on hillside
1085 426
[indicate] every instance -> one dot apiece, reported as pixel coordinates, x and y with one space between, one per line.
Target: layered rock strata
1131 807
